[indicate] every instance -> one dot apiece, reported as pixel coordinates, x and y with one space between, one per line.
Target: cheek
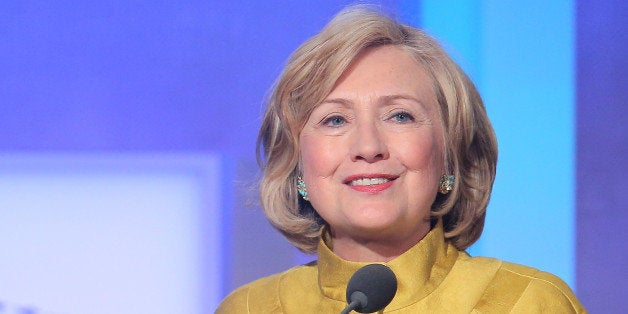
426 155
319 156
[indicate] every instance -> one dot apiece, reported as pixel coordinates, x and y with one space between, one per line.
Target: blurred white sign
111 234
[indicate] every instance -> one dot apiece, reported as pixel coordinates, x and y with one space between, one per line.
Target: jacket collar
419 270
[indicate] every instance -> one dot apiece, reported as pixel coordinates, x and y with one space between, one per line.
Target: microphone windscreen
377 282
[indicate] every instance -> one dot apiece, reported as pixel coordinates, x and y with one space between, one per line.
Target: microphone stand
358 300
350 307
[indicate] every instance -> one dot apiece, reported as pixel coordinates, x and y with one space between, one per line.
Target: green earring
302 189
446 183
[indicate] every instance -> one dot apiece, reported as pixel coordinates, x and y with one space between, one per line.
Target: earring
302 189
446 183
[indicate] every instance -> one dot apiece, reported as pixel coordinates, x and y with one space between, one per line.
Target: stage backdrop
128 134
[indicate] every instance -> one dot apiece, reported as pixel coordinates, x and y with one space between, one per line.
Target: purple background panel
142 75
602 155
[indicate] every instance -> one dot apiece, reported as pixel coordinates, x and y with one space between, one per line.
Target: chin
377 227
375 218
387 226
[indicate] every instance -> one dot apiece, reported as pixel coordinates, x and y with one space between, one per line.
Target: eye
334 121
402 117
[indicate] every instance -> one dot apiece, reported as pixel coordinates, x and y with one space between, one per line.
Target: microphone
370 289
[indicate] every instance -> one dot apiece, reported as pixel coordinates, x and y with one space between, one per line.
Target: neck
376 250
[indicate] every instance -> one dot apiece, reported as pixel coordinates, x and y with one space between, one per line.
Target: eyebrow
381 100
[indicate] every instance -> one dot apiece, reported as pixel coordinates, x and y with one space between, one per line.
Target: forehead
385 71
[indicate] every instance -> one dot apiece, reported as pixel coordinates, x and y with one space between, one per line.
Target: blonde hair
470 150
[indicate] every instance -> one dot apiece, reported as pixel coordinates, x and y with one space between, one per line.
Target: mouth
370 182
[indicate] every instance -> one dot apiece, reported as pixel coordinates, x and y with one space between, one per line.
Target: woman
378 150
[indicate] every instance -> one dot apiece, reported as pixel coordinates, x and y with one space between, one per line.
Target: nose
369 143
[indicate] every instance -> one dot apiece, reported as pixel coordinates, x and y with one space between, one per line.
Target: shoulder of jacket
516 287
262 293
511 270
543 290
535 275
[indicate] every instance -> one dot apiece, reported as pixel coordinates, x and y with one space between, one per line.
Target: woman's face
372 151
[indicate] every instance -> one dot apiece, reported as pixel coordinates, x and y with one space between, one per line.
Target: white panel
116 234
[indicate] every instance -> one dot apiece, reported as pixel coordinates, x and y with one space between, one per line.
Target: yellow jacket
433 276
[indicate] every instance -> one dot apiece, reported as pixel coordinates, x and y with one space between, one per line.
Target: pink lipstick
370 183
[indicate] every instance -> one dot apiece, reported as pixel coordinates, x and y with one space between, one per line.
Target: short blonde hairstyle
310 74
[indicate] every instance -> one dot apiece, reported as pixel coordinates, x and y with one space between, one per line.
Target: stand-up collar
419 270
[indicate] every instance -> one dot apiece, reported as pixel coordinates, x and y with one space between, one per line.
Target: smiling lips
371 183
